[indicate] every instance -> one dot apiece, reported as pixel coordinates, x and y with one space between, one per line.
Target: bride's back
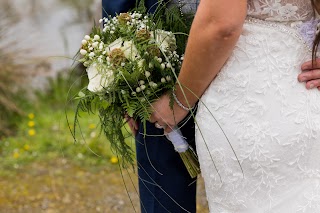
280 10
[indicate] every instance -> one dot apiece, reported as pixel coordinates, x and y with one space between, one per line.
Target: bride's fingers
313 84
309 65
309 75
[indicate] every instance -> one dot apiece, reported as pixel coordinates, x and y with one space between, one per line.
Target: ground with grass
59 186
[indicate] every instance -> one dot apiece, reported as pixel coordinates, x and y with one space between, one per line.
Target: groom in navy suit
164 183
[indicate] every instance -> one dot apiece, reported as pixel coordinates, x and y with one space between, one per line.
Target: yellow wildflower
114 160
31 123
31 116
26 147
31 132
15 155
92 126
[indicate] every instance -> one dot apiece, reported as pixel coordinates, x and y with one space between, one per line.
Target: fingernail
311 86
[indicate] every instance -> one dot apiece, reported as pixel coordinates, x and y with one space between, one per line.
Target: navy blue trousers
164 183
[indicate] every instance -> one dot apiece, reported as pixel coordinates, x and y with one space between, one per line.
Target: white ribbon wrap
178 141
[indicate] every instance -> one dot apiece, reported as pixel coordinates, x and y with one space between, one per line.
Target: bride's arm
215 30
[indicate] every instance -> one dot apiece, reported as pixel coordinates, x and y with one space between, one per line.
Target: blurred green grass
43 132
33 124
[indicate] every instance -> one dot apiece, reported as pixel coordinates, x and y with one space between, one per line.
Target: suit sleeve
113 7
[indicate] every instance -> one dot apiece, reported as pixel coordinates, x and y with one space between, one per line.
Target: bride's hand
165 117
310 74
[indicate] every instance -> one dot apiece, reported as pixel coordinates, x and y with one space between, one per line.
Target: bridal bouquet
130 63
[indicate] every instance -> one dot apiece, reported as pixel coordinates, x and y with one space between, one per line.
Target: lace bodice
280 10
272 10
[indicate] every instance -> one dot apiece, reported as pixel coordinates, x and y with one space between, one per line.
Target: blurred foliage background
33 117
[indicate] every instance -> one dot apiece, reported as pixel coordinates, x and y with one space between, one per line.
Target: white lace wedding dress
271 121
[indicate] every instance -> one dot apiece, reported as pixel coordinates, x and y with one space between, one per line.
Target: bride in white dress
258 128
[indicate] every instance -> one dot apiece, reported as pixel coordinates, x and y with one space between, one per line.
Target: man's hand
310 74
133 125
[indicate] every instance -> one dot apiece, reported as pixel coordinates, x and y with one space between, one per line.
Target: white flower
96 37
168 65
130 50
91 54
165 40
141 82
83 52
152 84
163 80
86 37
100 20
84 42
162 66
95 44
117 44
168 78
147 74
142 87
138 89
100 77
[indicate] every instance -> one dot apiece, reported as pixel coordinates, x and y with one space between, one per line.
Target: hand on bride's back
310 74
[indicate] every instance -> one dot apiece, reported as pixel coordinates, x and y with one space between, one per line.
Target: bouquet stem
187 154
190 160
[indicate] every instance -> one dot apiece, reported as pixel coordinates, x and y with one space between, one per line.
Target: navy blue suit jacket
113 7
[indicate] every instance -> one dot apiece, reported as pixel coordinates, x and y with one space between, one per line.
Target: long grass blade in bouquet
130 62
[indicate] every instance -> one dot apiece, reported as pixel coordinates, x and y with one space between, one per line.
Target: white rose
165 40
99 78
117 44
130 50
